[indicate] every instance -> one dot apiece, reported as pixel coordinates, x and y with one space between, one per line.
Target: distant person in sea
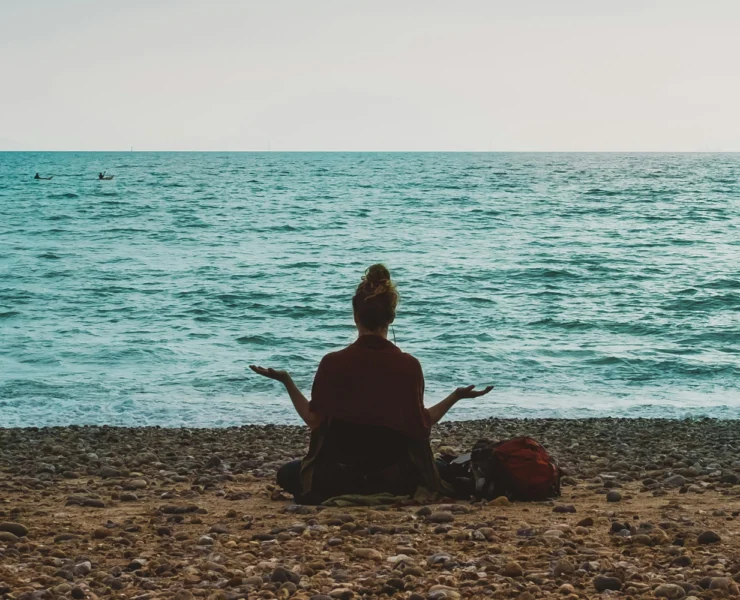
369 428
37 176
104 177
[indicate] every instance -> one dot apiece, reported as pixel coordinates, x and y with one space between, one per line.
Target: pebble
109 473
614 496
16 529
563 567
675 481
82 569
441 517
6 536
670 591
367 553
281 575
500 501
720 583
564 508
438 592
708 537
602 583
205 540
512 569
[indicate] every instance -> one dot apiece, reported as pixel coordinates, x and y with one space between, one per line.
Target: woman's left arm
439 410
300 403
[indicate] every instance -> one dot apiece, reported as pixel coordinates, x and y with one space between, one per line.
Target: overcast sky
370 75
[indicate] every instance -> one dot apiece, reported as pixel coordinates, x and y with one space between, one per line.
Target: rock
500 501
614 496
563 567
438 559
642 539
682 561
174 509
129 497
441 517
675 481
16 529
670 591
109 473
82 569
438 592
205 540
708 537
281 575
603 583
564 508
137 484
84 501
721 583
101 533
512 569
7 537
77 593
214 461
587 522
367 553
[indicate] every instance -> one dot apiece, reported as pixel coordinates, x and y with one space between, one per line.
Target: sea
579 285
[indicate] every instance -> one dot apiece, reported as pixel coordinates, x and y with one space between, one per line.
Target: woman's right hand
463 393
281 376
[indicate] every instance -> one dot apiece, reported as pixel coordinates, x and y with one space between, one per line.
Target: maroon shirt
372 382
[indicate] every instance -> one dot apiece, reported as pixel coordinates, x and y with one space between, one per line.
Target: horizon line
382 151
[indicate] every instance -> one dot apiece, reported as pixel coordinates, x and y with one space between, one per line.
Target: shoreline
651 506
474 422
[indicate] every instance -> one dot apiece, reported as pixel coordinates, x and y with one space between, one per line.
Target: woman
369 428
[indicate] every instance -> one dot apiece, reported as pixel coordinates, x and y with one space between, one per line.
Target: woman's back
372 382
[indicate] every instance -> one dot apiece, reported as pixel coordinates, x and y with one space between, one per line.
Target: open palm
463 393
281 376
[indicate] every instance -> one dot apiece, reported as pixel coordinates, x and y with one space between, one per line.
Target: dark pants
288 478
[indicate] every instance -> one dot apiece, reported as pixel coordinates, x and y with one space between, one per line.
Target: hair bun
377 274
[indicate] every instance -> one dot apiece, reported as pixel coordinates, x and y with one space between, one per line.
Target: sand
650 508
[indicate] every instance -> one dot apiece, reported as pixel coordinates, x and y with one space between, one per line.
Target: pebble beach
650 509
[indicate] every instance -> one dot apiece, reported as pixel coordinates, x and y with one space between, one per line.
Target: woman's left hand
463 393
281 376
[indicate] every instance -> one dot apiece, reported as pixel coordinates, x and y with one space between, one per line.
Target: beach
650 508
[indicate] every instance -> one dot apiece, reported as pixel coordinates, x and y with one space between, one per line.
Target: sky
357 75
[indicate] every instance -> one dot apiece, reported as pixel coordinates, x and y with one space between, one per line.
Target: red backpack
520 469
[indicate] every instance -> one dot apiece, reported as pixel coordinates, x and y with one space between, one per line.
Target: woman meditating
369 428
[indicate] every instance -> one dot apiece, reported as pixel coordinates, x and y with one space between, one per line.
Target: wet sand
650 508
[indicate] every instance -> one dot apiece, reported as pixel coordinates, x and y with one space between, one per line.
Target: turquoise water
577 284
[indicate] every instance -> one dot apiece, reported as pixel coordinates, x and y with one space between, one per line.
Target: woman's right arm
440 409
300 403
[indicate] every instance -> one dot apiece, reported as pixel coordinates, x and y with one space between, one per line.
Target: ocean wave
523 270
